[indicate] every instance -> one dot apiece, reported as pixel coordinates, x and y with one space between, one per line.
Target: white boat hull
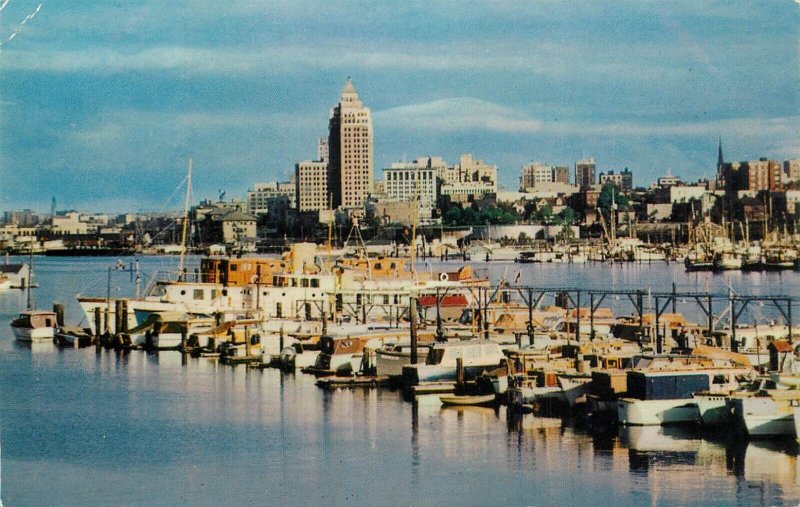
712 409
763 417
25 334
656 412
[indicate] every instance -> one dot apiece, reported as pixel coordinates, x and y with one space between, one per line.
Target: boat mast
185 220
30 274
414 215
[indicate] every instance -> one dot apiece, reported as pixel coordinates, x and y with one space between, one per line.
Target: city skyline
93 93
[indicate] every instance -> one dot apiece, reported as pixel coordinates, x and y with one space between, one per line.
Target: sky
103 103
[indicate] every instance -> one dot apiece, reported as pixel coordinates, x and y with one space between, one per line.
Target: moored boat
34 325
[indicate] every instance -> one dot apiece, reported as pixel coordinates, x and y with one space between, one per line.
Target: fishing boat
34 325
389 361
767 413
440 364
656 397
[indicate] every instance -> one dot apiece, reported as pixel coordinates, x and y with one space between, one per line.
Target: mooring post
117 316
789 317
530 316
674 298
486 314
184 331
658 327
460 372
710 315
58 309
97 326
578 316
247 349
124 316
412 321
591 317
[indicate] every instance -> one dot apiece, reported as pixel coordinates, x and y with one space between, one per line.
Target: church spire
720 160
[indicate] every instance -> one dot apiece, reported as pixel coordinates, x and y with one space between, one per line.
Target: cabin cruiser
440 364
34 325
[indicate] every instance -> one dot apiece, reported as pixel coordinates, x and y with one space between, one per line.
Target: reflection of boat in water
660 438
772 460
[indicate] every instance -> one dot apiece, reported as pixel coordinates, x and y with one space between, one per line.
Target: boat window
434 356
392 266
197 294
315 282
378 265
386 299
294 282
183 293
304 282
278 310
233 267
224 292
719 379
213 293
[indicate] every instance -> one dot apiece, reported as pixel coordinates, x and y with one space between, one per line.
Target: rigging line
29 17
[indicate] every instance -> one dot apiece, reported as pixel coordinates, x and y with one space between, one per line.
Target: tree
610 193
566 216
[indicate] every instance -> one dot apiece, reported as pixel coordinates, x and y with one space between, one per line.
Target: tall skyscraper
350 150
585 173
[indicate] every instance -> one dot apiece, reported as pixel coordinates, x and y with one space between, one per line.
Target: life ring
444 277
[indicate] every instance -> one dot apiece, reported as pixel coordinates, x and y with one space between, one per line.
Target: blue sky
102 103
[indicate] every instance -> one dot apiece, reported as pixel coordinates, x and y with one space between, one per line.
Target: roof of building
238 216
11 268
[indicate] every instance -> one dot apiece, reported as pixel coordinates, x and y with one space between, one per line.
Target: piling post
734 346
58 309
247 346
591 317
184 341
530 316
460 372
658 328
486 314
578 317
280 340
118 316
412 318
97 326
674 298
789 318
124 318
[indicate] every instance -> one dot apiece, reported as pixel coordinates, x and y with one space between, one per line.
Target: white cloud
457 114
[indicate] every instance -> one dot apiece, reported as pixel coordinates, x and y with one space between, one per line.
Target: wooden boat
486 399
72 336
33 325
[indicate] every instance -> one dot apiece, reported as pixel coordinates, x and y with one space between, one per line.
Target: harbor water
79 427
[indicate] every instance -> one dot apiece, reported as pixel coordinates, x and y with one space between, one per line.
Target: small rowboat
487 399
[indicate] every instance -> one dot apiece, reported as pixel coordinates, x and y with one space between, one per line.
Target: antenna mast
185 219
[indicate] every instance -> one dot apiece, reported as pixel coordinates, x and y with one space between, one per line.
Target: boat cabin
242 271
35 319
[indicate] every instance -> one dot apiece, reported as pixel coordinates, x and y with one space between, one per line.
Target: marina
377 411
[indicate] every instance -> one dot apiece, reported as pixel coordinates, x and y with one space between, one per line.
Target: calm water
80 428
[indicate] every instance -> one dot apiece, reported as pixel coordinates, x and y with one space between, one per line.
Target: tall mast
330 228
185 219
415 213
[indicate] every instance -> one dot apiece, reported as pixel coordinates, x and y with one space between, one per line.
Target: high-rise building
622 179
791 169
561 174
533 173
322 149
263 195
350 150
407 182
311 180
585 173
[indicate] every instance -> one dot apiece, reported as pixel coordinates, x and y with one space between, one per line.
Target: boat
72 336
440 364
574 387
666 396
389 362
727 261
34 325
767 413
342 353
481 400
